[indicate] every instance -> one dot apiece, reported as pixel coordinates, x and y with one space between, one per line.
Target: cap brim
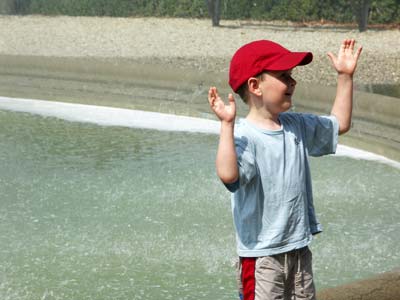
291 60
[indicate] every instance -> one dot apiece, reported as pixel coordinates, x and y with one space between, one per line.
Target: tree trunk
363 13
214 9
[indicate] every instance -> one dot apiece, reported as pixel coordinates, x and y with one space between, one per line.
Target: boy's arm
226 162
345 64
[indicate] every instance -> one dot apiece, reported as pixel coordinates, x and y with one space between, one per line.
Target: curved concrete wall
376 118
369 107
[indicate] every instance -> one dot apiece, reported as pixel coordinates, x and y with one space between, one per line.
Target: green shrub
383 11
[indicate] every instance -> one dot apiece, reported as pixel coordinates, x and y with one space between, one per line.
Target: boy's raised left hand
346 60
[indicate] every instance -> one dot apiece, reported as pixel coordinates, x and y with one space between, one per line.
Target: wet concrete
384 286
115 82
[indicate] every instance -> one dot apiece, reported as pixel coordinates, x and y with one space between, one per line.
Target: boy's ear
254 86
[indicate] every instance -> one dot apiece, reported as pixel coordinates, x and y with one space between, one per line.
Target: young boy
263 161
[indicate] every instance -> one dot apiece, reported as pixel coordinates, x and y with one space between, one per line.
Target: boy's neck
264 119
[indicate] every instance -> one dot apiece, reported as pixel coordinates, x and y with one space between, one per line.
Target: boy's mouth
289 93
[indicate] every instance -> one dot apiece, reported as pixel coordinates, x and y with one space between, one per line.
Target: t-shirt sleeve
321 134
246 164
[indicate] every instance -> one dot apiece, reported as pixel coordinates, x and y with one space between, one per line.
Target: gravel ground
195 43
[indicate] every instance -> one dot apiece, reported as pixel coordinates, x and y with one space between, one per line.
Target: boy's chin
286 106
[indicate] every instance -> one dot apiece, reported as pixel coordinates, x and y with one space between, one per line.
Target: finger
332 57
210 95
231 100
343 45
351 44
216 92
358 52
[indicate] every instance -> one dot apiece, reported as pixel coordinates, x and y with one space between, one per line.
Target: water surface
94 212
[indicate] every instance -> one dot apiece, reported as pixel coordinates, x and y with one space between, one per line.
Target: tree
214 10
363 14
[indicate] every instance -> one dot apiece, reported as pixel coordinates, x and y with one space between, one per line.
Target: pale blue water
91 212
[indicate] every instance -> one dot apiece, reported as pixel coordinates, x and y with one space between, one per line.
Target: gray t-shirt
272 201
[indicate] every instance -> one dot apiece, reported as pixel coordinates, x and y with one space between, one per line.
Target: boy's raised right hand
225 113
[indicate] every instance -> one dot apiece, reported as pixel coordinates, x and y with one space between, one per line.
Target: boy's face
277 88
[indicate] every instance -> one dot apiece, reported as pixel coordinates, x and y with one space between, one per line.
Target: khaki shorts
283 276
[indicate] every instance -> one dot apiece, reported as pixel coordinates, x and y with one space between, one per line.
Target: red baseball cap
263 55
